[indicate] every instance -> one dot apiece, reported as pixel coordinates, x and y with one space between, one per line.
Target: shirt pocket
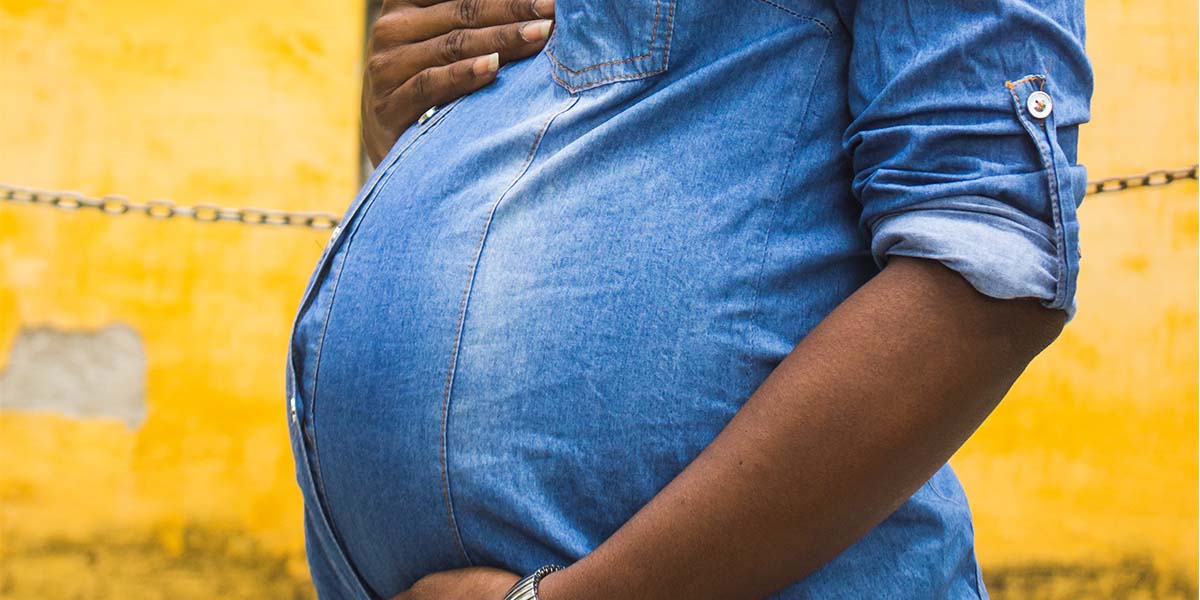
597 42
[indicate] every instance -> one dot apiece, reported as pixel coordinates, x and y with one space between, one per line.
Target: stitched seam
1012 84
330 557
1060 298
798 15
649 51
1049 165
337 277
787 171
361 208
307 296
564 67
936 492
301 457
670 33
318 477
372 183
446 494
597 82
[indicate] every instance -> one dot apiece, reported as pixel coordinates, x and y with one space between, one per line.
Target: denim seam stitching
446 493
1054 181
309 289
766 244
597 82
789 11
337 277
936 492
297 438
362 208
649 50
318 477
1050 166
331 555
669 35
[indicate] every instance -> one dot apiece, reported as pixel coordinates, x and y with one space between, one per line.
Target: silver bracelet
526 588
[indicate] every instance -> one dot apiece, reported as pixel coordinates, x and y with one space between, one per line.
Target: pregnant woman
693 299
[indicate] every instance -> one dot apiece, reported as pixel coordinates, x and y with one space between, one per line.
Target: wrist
551 586
529 587
575 583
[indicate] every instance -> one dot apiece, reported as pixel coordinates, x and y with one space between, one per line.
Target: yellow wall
236 103
1091 461
1084 479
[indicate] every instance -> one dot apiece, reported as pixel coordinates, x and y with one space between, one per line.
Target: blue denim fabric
551 296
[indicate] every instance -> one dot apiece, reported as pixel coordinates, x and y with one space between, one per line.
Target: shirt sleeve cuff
1000 251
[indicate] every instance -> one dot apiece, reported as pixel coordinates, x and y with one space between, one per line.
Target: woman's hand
472 583
424 53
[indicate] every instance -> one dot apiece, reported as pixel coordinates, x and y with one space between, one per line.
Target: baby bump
511 368
513 360
538 317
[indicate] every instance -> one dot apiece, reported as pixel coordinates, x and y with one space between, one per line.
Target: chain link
1148 179
211 213
165 209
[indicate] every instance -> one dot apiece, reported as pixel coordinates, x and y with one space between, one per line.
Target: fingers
430 18
484 13
436 86
512 42
423 53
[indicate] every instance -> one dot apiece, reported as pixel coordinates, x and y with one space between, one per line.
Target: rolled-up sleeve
965 123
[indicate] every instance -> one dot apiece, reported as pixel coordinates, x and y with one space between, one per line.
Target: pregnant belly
508 365
541 314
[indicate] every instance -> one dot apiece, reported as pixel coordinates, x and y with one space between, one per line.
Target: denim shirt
553 294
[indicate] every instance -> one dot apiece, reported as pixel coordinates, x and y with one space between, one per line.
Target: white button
425 117
293 403
1040 104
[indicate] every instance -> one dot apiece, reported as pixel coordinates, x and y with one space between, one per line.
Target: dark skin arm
862 412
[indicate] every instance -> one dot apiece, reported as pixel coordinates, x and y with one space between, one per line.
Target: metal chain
211 213
164 209
1148 179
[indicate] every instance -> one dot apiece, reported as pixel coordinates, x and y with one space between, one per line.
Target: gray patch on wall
85 374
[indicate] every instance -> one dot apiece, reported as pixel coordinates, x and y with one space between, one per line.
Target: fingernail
543 8
535 31
486 64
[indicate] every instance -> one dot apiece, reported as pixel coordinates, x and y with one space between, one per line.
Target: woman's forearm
863 411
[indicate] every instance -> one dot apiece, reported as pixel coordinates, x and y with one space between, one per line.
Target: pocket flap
596 42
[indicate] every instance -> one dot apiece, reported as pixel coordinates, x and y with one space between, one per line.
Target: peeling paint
86 374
